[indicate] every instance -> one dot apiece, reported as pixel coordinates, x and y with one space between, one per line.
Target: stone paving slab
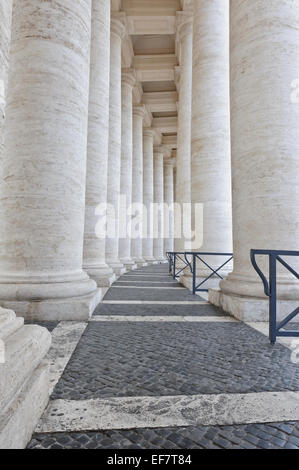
145 277
158 310
142 284
156 268
165 411
134 359
150 294
253 436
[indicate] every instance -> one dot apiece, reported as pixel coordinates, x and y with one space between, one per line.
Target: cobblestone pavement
129 359
119 293
159 310
121 359
253 436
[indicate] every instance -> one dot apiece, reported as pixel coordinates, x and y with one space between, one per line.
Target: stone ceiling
150 48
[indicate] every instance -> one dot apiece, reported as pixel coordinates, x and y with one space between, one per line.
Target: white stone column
148 194
97 146
42 194
137 185
265 150
168 206
183 171
24 378
128 81
5 33
114 152
210 141
158 200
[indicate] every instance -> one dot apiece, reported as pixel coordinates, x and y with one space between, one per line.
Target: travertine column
168 206
265 147
137 185
148 194
42 194
114 152
158 200
210 144
24 375
128 81
5 33
97 146
183 175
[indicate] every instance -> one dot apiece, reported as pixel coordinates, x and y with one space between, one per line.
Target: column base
61 309
24 379
250 309
129 264
104 277
187 281
140 262
20 420
150 261
117 267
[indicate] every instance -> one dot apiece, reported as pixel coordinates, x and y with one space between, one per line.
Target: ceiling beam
152 68
166 124
163 101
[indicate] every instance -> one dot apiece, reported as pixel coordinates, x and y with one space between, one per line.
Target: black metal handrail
173 257
270 289
192 265
197 256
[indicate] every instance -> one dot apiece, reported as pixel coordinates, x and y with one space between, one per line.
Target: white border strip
152 282
149 287
65 338
155 302
159 412
146 275
170 319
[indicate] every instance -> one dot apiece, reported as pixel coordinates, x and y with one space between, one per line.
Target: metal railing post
272 300
174 266
194 275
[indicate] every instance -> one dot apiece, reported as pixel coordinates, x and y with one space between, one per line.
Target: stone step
24 351
9 323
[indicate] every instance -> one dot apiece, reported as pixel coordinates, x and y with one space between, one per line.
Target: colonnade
88 180
78 140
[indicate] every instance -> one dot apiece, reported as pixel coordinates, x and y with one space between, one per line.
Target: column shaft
137 185
97 146
183 175
158 209
148 194
114 152
5 35
42 193
265 148
210 140
168 207
128 81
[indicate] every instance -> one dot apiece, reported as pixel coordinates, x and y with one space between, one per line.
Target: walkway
157 367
